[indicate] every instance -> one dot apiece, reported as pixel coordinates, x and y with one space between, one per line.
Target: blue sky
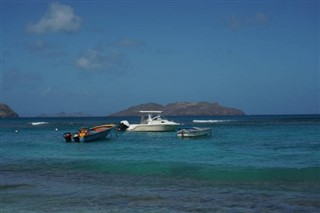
100 57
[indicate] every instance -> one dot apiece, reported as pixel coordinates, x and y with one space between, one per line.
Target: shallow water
249 164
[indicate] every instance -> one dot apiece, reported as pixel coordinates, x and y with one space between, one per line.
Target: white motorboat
151 121
193 132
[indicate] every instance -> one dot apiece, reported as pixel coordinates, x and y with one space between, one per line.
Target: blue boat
92 134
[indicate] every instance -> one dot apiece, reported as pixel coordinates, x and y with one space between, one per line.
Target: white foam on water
38 123
211 121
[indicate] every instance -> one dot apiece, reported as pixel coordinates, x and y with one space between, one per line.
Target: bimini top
151 112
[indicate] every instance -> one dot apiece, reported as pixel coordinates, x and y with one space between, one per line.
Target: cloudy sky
100 57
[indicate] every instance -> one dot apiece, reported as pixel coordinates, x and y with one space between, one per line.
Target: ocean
248 164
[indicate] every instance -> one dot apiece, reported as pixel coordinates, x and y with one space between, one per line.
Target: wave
211 121
38 123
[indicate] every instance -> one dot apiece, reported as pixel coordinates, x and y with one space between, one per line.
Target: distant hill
7 112
182 109
64 114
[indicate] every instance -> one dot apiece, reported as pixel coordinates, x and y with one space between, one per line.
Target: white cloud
59 18
128 43
93 60
237 23
43 48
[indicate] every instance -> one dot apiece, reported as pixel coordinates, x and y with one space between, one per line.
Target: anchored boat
91 134
151 121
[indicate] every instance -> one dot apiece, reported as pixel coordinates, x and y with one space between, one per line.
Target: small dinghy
193 132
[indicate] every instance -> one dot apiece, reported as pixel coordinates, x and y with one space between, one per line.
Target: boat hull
92 134
96 136
98 133
152 127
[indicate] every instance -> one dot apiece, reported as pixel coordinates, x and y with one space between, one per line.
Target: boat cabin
149 116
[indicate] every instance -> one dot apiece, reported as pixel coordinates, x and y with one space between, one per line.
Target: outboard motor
67 136
123 125
76 137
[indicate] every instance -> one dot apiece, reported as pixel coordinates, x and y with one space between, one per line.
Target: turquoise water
249 164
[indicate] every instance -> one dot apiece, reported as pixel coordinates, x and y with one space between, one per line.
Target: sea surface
248 164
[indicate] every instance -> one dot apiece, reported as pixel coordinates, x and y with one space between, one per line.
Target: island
183 109
7 112
65 115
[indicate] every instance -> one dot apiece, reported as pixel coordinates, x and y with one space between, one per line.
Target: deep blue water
249 164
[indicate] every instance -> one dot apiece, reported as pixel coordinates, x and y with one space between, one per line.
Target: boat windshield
146 118
159 118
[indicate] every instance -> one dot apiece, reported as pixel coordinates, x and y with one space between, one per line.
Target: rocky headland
183 109
7 112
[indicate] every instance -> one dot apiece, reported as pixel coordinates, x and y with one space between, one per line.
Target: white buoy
56 129
16 131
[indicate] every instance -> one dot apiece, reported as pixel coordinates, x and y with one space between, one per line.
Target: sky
100 57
